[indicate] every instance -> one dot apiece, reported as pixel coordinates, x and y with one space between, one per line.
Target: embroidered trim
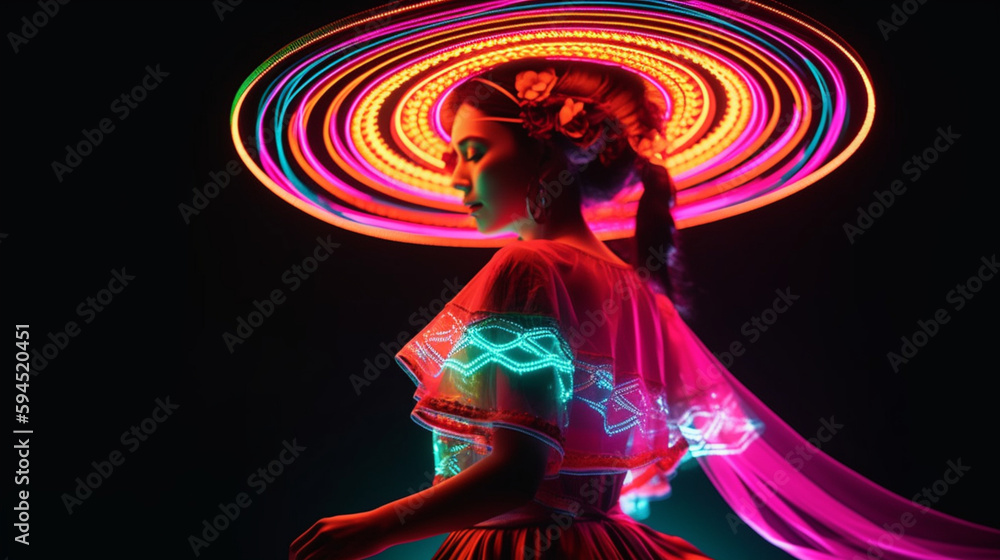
665 458
445 406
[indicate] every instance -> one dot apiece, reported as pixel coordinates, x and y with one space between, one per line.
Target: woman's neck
572 230
565 228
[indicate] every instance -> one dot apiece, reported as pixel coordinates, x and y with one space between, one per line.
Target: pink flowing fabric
815 508
578 351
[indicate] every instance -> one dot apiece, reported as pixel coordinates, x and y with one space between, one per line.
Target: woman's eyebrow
470 137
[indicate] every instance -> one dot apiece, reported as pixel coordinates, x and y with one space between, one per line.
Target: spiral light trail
344 122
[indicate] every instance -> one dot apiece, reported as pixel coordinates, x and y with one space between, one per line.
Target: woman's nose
452 167
460 180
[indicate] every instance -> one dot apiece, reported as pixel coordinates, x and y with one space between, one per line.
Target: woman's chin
484 224
489 226
484 227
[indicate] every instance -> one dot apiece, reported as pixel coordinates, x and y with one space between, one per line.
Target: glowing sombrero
344 123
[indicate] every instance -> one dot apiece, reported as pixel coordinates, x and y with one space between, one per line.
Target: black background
162 335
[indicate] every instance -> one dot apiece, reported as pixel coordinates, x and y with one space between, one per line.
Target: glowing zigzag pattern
720 430
502 341
533 348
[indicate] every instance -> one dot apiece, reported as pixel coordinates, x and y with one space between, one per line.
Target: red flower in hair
651 145
578 119
611 151
538 120
572 119
535 86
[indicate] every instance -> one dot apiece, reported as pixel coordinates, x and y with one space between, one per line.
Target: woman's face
492 167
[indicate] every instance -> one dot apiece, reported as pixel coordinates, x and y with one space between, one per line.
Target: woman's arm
507 478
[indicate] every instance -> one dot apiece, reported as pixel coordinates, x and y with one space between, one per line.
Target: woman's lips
475 206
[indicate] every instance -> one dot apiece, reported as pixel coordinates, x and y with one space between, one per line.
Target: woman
561 377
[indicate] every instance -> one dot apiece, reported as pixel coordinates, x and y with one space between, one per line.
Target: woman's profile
563 378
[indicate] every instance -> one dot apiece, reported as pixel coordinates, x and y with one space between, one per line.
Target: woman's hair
607 165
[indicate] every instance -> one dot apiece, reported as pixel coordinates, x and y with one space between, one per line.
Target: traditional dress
580 352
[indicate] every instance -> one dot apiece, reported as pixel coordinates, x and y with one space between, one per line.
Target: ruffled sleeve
495 356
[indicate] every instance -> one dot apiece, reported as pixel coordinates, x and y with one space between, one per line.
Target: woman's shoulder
564 254
526 245
525 252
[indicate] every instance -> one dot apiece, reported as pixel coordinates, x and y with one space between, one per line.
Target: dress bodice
576 350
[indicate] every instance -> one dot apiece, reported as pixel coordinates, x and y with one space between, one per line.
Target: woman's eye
472 154
451 158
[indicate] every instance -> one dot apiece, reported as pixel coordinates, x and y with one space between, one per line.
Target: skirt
538 533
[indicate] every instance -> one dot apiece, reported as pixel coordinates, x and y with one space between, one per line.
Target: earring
538 202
